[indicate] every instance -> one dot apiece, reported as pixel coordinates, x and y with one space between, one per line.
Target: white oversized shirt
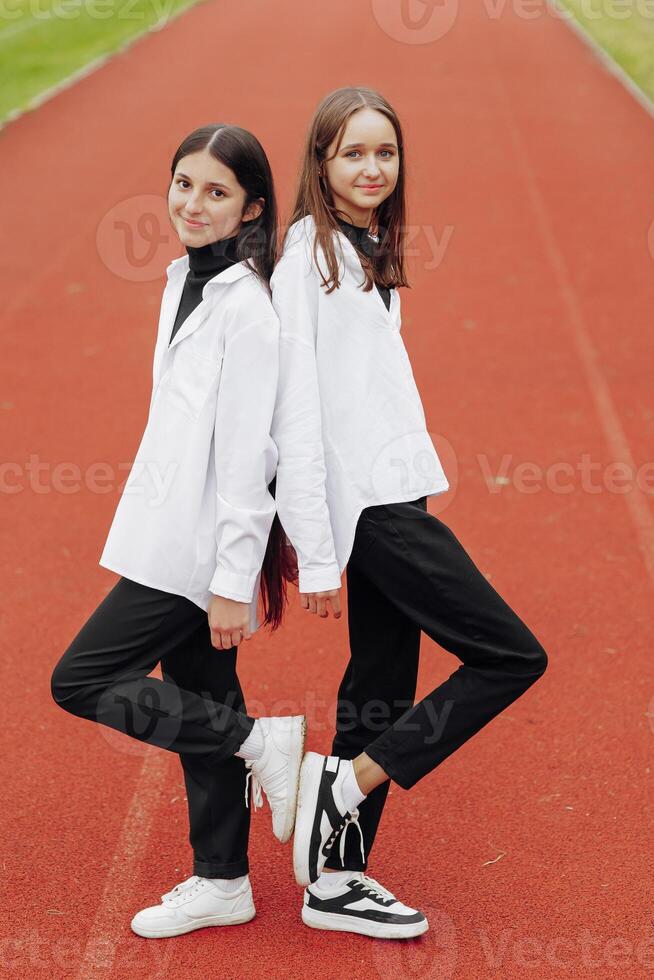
195 513
349 423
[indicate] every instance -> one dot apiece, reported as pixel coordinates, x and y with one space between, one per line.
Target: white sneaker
364 906
194 904
277 772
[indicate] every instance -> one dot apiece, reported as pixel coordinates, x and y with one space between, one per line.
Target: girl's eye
385 153
181 180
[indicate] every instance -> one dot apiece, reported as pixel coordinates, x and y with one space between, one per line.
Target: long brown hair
313 197
256 242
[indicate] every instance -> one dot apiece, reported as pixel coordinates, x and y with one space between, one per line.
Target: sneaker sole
294 767
227 919
345 923
310 776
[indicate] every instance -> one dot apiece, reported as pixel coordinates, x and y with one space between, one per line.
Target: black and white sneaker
321 815
361 905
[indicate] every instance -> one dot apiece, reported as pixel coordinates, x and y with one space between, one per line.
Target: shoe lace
373 886
178 890
257 792
350 818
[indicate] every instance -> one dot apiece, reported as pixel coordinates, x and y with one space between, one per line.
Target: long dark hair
313 196
256 243
242 152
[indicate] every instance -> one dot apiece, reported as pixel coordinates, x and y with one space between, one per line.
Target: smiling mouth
195 224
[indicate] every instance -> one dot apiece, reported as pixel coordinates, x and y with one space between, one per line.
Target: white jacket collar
306 228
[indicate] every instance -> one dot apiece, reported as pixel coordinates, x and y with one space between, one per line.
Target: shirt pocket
191 379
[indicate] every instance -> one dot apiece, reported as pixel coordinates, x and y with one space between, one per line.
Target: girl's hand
229 622
317 602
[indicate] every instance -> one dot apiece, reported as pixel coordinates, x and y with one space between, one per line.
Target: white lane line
111 930
92 66
638 503
609 63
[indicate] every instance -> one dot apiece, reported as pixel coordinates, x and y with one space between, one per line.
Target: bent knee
534 662
65 690
59 688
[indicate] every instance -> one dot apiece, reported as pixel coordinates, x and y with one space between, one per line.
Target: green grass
625 29
42 42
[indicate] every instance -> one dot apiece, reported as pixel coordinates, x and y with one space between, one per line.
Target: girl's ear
253 210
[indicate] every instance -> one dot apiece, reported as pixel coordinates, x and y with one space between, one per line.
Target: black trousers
409 573
198 709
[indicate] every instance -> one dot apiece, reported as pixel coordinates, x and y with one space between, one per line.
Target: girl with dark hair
364 486
195 537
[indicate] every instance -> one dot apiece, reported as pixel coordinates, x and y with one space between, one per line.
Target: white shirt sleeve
243 448
300 492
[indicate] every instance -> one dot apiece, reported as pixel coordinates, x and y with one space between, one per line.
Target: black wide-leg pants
409 573
198 709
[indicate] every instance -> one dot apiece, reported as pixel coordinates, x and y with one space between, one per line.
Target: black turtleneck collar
360 237
206 261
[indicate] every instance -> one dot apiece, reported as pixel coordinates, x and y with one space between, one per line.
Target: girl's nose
194 203
371 167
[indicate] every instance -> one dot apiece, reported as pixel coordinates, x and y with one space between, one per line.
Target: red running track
530 334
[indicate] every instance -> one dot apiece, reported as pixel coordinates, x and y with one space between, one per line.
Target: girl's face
365 170
205 200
